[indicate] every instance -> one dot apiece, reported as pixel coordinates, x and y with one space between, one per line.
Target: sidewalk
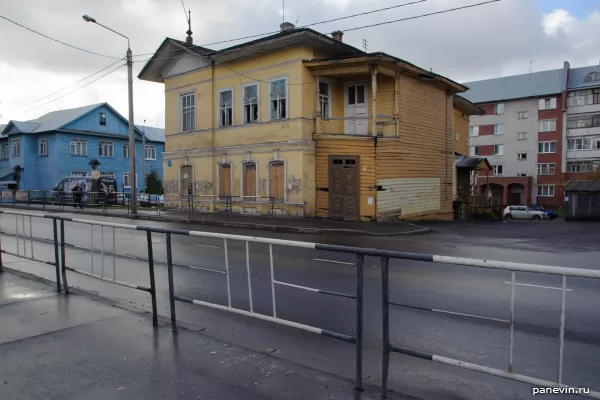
275 224
54 346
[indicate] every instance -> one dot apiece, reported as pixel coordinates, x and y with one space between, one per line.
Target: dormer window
103 119
592 77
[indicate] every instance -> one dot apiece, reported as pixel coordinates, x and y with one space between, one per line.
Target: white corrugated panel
185 64
407 196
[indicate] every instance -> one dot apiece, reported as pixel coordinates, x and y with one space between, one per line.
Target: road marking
207 245
333 261
540 286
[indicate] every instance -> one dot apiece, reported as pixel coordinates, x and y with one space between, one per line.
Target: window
499 108
592 77
545 191
251 104
224 182
4 151
521 156
497 169
279 98
522 114
125 151
499 129
188 112
249 182
474 130
43 147
548 125
581 166
103 119
584 97
107 174
78 147
457 135
324 98
474 151
79 173
225 108
546 147
277 180
522 136
547 104
546 169
579 144
16 147
126 180
521 175
498 149
586 121
150 152
105 149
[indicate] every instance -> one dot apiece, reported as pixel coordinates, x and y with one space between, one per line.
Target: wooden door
343 188
356 107
224 180
250 181
277 180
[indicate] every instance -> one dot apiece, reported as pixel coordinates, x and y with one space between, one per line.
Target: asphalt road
452 288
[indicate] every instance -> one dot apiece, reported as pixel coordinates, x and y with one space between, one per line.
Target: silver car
523 212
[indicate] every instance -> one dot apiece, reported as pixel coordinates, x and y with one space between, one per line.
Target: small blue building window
43 147
103 119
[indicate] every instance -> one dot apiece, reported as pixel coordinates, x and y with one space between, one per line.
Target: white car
523 212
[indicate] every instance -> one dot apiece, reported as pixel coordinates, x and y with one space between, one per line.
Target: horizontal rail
315 290
450 312
490 371
28 258
106 279
308 328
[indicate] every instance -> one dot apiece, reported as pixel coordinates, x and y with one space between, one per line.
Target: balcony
594 130
385 126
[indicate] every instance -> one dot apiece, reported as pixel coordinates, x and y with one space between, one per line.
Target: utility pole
144 157
365 44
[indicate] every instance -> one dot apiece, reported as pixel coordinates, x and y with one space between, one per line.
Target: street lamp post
132 180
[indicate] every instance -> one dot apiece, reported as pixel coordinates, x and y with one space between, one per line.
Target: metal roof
2 126
153 134
582 186
577 77
516 87
466 106
56 119
472 162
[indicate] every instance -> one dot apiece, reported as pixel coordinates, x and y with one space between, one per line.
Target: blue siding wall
91 122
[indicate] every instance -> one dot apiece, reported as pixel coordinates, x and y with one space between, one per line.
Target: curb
240 225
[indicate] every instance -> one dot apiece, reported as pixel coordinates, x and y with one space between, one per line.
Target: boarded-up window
249 180
276 180
225 180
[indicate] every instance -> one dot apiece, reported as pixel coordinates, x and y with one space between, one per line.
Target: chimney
286 26
337 35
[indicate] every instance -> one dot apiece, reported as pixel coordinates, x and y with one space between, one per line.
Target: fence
360 254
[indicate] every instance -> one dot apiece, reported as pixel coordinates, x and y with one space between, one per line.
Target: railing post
171 285
249 276
385 307
1 265
272 206
63 257
360 261
152 280
56 256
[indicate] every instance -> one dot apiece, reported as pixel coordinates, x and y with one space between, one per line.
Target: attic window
592 77
103 119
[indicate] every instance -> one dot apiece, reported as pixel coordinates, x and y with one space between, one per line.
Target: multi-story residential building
62 143
323 128
582 133
521 134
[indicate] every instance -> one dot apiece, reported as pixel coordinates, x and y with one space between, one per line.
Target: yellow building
319 126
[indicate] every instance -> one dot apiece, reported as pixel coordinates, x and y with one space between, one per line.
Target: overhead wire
56 40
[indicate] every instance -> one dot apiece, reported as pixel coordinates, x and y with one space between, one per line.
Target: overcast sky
492 40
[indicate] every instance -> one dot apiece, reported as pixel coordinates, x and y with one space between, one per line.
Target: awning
6 177
582 186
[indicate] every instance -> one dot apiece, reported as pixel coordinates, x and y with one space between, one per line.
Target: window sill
106 156
42 155
149 159
78 155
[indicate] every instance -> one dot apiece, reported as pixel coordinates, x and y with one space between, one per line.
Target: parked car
152 200
62 192
523 212
549 213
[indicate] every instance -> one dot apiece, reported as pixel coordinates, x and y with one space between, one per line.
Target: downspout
446 182
212 119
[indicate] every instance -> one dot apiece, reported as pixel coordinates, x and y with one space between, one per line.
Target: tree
153 183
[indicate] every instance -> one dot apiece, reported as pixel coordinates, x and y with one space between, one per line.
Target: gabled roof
466 106
473 163
153 134
516 87
2 126
577 77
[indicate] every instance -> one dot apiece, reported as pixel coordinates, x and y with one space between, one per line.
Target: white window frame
498 169
548 103
102 119
522 114
547 144
500 148
221 108
498 129
250 102
521 175
150 148
457 135
473 151
4 151
126 150
521 135
126 174
106 146
580 166
549 167
16 147
327 97
521 156
185 111
287 96
81 174
543 122
583 141
549 188
80 146
43 147
107 174
498 108
474 130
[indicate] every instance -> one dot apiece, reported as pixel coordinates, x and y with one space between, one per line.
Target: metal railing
215 204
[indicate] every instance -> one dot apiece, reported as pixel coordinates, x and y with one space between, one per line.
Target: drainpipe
446 182
144 157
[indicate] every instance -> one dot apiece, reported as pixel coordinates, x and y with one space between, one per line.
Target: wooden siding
461 126
408 197
362 147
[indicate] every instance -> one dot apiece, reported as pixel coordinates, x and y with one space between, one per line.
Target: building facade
62 144
319 126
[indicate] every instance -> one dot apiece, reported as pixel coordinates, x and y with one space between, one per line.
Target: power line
56 40
73 84
81 87
303 26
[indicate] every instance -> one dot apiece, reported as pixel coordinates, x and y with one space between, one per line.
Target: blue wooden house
37 154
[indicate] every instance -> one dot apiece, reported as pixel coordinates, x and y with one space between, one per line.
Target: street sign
169 163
